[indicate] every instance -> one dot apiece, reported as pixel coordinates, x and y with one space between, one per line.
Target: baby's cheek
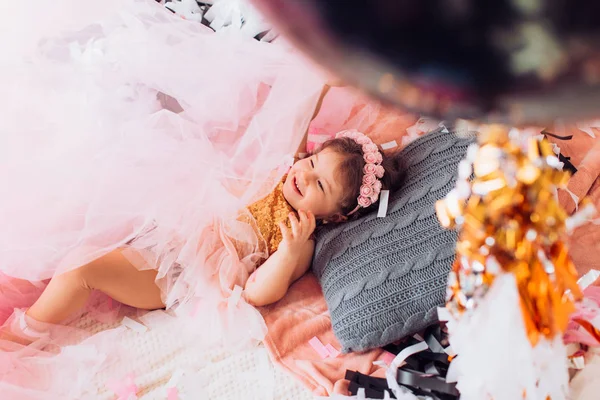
312 205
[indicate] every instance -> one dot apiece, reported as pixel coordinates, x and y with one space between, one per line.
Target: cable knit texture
383 278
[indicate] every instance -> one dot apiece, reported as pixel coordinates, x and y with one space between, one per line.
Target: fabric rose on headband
373 170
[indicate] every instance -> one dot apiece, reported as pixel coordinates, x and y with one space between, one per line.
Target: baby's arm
291 260
271 281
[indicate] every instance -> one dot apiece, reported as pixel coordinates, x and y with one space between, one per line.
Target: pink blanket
303 314
584 151
293 322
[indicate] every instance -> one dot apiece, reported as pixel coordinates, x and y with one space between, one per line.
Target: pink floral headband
373 170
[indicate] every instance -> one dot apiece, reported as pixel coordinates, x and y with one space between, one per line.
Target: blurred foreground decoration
513 285
511 61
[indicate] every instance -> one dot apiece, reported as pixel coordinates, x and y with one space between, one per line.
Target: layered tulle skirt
126 127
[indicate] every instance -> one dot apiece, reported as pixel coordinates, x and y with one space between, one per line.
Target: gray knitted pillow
383 278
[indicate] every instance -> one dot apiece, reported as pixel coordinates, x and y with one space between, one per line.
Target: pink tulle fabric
125 126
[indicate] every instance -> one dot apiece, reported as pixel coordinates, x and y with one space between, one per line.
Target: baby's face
311 184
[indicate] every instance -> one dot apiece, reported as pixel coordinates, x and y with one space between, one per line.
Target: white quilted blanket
218 373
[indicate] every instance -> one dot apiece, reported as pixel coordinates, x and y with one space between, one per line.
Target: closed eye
321 186
312 164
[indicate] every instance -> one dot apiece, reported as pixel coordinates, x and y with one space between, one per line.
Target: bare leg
111 274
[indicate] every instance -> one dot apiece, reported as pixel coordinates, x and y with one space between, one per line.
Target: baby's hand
290 261
295 239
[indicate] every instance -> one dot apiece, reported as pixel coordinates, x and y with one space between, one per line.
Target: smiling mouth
295 184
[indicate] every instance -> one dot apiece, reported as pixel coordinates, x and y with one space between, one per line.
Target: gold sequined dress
268 213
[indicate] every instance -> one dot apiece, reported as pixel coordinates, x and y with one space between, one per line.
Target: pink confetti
126 389
333 352
316 344
172 393
387 357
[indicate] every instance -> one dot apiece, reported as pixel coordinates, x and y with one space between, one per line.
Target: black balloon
517 61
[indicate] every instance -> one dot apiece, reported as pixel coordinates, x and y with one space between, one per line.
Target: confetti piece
587 279
333 352
133 325
172 393
580 218
574 197
587 127
387 357
383 203
577 362
156 318
389 145
318 346
125 389
234 299
444 314
427 125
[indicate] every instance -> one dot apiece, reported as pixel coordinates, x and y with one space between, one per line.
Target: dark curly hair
350 172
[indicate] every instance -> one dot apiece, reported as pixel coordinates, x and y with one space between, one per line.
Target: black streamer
424 373
565 160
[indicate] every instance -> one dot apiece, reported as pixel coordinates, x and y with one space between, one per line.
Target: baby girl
341 180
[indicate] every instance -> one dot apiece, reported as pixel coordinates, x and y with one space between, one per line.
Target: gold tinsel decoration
510 221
